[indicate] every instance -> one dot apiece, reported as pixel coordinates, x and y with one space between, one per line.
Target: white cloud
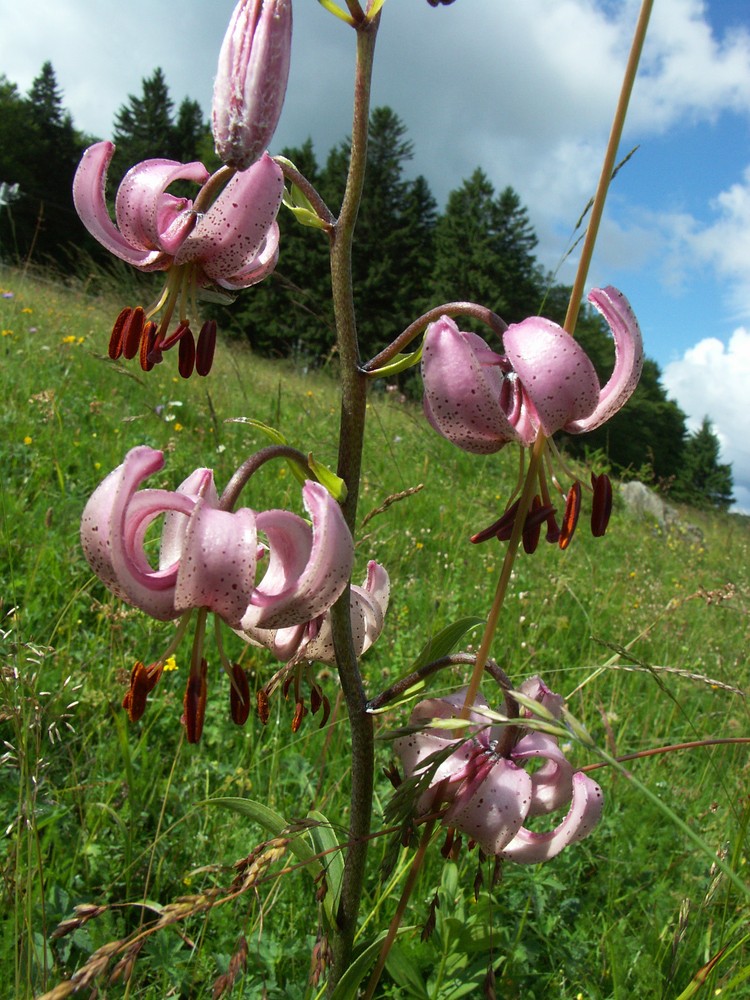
711 379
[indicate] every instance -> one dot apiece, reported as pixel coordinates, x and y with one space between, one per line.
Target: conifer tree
703 480
144 126
484 250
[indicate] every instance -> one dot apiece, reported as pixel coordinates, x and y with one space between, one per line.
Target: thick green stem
351 441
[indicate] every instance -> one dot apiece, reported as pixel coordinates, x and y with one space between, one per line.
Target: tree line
408 256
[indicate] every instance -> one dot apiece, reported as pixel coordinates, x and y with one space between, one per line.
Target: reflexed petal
496 809
534 687
556 373
551 784
616 309
463 383
149 218
233 230
88 196
417 751
308 568
259 267
529 848
283 643
218 561
113 527
198 483
369 604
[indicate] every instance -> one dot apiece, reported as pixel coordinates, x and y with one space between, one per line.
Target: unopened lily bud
251 80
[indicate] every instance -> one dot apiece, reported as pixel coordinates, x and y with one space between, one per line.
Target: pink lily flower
545 381
489 796
227 243
314 639
209 557
209 560
251 79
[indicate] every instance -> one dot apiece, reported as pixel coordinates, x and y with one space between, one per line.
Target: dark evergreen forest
409 256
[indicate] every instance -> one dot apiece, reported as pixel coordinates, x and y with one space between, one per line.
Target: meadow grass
646 632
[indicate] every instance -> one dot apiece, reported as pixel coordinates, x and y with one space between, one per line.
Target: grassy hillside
96 810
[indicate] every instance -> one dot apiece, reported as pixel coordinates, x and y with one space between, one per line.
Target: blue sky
525 90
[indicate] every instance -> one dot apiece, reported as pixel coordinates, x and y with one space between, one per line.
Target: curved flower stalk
251 80
209 558
545 382
314 639
225 243
488 793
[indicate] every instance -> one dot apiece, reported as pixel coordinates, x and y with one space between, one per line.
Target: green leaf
269 820
276 436
398 364
327 844
328 478
405 972
347 986
445 641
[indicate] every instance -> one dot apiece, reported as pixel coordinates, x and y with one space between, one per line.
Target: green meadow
645 632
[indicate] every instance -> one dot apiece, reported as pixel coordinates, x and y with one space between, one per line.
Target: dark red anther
287 684
186 355
204 357
149 353
601 506
239 696
264 711
195 703
326 712
134 701
570 517
500 529
115 338
142 681
316 698
131 333
180 331
299 713
553 531
533 526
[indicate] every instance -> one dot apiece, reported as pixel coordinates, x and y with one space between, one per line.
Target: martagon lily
487 790
543 383
219 242
210 559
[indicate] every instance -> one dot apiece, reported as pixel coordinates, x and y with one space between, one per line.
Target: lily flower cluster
544 382
224 240
209 560
484 783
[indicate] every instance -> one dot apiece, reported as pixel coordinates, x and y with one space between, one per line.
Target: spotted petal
557 375
146 215
463 382
530 848
308 567
492 811
113 529
616 309
551 784
234 230
218 562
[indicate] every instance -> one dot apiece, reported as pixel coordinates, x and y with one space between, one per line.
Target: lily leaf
347 987
398 364
445 641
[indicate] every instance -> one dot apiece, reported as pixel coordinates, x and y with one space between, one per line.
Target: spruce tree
144 126
703 480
